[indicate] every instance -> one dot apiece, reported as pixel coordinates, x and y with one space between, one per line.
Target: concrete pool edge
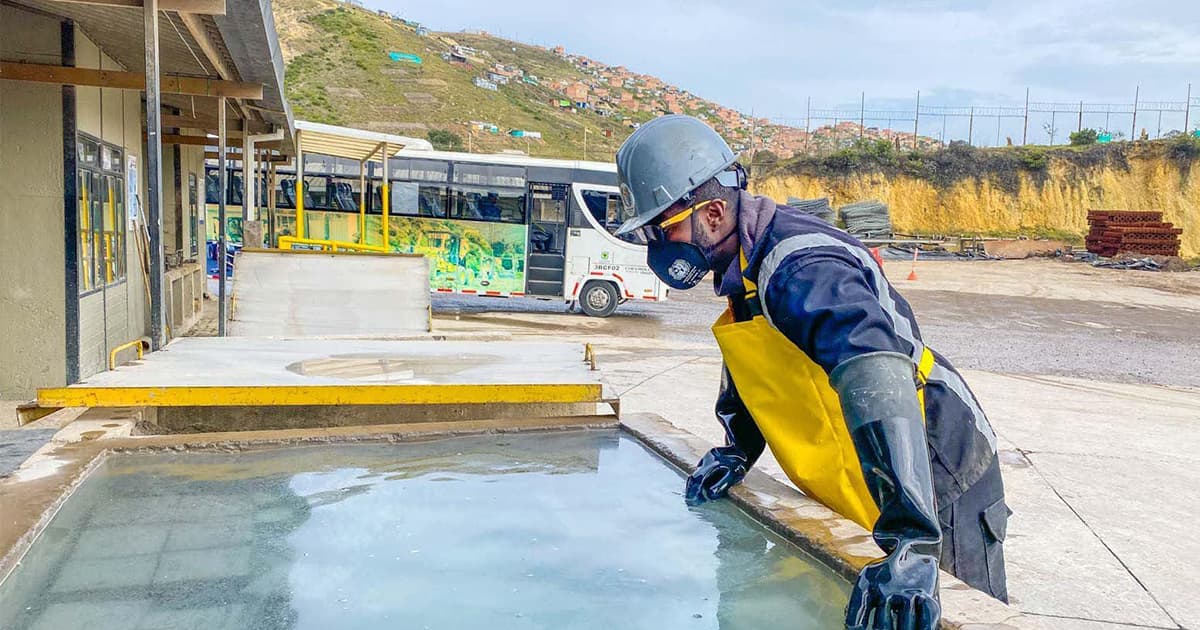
836 542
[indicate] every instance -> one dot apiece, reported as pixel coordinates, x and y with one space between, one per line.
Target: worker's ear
714 214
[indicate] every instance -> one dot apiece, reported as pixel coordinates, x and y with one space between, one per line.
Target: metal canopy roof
354 144
243 40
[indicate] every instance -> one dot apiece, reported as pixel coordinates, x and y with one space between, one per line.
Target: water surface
577 530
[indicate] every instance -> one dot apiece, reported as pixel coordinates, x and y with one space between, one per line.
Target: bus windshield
610 213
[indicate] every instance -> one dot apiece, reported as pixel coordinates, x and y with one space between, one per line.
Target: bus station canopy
354 144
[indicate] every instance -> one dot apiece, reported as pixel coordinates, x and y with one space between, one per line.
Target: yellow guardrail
287 242
112 356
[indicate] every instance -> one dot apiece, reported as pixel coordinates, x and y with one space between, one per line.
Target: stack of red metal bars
1115 232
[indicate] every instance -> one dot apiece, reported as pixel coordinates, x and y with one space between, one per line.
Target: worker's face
690 239
708 228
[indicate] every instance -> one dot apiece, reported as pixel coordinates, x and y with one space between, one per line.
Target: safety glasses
657 231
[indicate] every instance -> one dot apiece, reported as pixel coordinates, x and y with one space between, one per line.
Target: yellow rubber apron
798 412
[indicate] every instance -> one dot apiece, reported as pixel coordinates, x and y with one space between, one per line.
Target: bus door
547 238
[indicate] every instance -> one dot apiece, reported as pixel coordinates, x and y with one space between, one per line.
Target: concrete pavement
1101 476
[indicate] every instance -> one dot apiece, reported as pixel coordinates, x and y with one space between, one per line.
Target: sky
770 57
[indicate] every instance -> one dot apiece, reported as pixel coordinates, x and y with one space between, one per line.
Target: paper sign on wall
131 190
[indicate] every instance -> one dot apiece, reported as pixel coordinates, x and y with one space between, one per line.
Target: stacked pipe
867 218
1113 232
819 208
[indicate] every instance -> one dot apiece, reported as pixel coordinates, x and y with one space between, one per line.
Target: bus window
342 194
417 200
416 170
212 184
234 182
488 204
285 194
609 212
316 193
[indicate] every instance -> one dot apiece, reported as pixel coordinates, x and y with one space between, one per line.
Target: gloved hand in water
719 469
896 593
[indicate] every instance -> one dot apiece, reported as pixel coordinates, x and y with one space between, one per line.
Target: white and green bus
491 224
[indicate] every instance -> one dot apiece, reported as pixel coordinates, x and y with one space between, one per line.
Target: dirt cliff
1008 191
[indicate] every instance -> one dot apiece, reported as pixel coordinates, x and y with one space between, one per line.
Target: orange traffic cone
912 275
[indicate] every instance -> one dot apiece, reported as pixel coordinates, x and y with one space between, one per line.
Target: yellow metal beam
298 395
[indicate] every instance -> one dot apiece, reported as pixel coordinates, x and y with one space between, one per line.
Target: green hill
339 72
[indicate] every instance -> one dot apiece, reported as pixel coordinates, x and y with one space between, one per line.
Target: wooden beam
200 7
210 124
195 26
212 155
205 141
196 141
170 84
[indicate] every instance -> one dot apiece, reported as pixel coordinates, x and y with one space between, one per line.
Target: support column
299 186
247 181
271 206
71 209
158 336
385 201
362 202
223 184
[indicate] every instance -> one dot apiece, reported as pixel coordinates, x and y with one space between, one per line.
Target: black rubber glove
879 401
716 473
725 466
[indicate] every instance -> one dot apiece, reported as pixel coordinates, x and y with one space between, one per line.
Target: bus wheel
599 298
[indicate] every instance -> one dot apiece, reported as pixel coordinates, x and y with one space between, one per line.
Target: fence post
808 126
1187 110
1080 116
1025 132
1133 132
971 128
917 120
862 116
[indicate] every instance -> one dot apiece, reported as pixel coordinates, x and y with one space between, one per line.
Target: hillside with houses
474 91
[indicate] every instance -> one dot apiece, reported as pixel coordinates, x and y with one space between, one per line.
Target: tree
1084 137
445 140
1051 131
765 156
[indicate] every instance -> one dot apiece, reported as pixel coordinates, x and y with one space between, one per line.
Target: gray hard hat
664 160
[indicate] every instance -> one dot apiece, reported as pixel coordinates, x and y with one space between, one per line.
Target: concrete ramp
321 294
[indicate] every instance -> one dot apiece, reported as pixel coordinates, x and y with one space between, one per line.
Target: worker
824 363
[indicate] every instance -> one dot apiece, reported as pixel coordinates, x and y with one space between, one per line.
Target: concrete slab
1070 623
1062 564
232 361
284 293
1114 475
664 360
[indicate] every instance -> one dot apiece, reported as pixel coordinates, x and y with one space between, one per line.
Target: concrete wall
117 314
176 221
33 304
32 275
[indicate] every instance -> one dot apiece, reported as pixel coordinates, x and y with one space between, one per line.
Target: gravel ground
1103 340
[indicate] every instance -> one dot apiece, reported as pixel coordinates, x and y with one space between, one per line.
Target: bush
445 140
1034 159
1084 137
1185 147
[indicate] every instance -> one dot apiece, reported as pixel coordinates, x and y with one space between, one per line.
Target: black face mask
680 265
